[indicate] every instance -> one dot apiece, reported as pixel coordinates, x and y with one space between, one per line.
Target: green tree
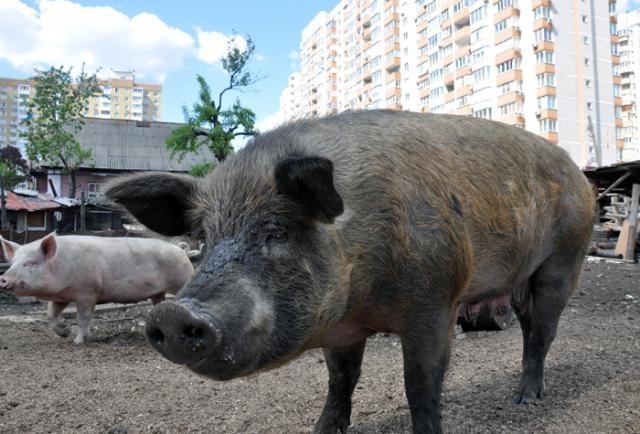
13 168
54 115
207 123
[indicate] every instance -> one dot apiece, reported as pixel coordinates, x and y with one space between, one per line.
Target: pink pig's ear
9 248
49 246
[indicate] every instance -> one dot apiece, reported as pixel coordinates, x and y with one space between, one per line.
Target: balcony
545 67
537 3
392 64
461 18
464 90
512 32
392 91
513 96
449 96
512 119
546 90
507 12
461 52
390 17
505 77
547 113
542 23
462 36
550 136
543 45
615 59
508 54
393 76
463 70
465 110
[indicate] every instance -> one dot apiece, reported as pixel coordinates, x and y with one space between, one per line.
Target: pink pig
90 270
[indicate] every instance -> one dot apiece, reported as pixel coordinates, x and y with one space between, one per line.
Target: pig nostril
155 335
191 331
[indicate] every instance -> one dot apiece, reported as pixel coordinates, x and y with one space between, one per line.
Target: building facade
629 43
550 67
122 98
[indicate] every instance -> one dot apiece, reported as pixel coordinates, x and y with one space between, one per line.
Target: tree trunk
72 184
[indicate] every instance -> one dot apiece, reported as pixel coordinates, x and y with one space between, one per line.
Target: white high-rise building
549 67
629 33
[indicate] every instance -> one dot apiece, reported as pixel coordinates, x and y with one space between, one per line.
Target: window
546 79
542 12
510 108
508 65
545 56
484 113
478 14
543 34
548 125
547 102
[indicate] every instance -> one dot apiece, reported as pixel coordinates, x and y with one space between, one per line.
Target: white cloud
61 32
212 46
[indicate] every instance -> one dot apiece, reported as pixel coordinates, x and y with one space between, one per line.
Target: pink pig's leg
85 310
55 321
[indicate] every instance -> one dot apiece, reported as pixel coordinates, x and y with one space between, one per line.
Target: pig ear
309 182
160 201
49 246
9 248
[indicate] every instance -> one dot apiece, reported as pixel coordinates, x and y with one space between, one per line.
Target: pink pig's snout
6 284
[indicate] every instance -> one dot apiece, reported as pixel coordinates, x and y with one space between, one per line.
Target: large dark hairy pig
323 232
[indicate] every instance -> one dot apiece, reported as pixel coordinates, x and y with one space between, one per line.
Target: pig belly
131 290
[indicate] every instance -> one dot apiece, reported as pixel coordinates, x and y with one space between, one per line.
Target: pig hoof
528 397
61 330
337 425
79 340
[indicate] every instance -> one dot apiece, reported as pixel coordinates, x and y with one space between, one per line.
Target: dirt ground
116 384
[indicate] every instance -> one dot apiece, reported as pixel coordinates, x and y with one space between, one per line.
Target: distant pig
325 231
91 270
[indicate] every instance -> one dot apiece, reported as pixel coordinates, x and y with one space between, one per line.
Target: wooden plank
633 223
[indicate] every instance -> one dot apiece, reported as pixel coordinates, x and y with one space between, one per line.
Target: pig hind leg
549 290
85 310
344 370
55 321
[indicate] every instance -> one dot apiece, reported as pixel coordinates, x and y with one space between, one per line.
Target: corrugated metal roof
134 145
17 202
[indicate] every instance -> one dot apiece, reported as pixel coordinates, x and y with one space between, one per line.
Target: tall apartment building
122 98
629 34
547 66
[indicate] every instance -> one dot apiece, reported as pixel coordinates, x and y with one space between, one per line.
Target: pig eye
29 264
277 237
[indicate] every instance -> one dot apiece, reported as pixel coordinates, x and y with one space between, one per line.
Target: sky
164 41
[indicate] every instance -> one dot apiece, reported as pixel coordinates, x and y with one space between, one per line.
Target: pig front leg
425 349
344 371
85 310
56 323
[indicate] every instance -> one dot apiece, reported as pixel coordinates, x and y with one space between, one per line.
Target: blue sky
170 41
163 40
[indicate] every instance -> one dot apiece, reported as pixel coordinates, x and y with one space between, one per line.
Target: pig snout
182 333
5 283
